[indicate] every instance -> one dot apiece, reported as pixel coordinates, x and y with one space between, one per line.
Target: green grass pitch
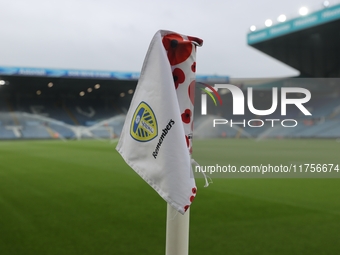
80 197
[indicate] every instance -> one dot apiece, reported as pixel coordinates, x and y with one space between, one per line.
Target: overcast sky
112 35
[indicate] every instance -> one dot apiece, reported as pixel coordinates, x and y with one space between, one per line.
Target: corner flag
156 140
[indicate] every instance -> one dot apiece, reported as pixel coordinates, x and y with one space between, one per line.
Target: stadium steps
62 131
117 109
70 114
11 110
51 132
33 132
6 134
335 113
327 109
318 129
331 133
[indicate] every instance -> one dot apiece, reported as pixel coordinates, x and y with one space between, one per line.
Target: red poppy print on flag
198 41
193 67
191 91
169 63
179 76
178 50
194 190
187 141
186 116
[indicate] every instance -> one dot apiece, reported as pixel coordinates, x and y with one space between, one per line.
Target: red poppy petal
191 91
169 40
196 40
185 118
178 50
180 53
193 67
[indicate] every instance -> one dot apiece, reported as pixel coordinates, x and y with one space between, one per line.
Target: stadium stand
307 43
54 115
40 103
72 104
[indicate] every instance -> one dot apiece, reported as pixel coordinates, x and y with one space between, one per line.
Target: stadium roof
310 44
89 74
25 81
320 85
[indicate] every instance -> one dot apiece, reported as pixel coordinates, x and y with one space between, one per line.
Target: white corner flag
156 140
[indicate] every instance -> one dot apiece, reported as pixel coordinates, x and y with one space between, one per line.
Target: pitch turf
79 197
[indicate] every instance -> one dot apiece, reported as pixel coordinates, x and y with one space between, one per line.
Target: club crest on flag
143 126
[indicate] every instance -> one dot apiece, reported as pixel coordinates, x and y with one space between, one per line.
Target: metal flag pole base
177 232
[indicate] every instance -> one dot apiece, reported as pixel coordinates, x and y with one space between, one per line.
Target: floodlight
268 22
303 11
325 4
252 28
282 18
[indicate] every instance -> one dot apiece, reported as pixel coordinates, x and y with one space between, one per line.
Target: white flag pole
177 232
